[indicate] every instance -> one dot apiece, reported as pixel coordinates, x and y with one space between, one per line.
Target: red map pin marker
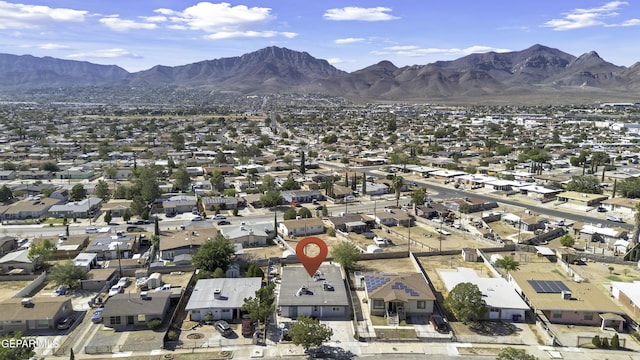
311 264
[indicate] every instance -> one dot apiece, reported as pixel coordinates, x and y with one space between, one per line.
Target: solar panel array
402 286
548 286
374 282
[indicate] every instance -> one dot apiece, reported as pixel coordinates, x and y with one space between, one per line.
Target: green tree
305 213
78 192
271 198
508 263
102 190
396 185
290 213
567 240
108 217
615 342
303 163
214 253
290 184
127 215
585 184
68 275
346 254
510 353
268 183
309 333
419 196
182 179
50 167
41 250
255 271
217 180
15 352
325 211
261 306
218 273
6 195
466 303
177 139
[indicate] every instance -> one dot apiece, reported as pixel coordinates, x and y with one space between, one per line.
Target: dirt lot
432 264
9 288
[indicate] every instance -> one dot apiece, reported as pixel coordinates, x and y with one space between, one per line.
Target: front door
293 312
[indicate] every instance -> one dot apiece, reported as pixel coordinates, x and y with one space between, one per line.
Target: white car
219 217
115 289
615 219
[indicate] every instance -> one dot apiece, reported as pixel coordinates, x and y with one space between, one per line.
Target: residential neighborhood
186 237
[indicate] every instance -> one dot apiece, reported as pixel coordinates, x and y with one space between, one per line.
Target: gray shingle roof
233 291
293 277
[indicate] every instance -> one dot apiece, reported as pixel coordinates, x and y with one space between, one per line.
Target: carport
611 320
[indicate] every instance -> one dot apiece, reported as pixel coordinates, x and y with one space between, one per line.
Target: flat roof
497 292
294 277
233 291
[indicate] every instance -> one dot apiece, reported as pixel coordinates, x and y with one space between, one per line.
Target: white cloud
414 51
247 34
218 18
51 46
348 40
24 16
632 22
360 14
155 19
117 24
104 54
582 18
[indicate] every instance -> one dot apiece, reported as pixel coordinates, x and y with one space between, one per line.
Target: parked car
96 317
247 327
115 289
319 207
124 282
224 222
219 217
91 230
615 219
66 323
438 323
602 209
197 218
223 327
62 290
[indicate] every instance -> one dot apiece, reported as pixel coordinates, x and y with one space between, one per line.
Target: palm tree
396 185
636 228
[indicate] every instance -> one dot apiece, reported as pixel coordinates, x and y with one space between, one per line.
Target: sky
351 35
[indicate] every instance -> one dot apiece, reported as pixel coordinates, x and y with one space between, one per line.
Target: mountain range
537 70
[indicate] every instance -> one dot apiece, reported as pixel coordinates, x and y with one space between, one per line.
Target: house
117 207
7 244
68 247
621 205
114 247
302 196
566 302
581 199
99 279
433 210
60 194
179 205
30 208
18 262
357 223
503 302
222 298
323 296
470 204
172 246
398 295
6 175
87 261
390 217
302 227
33 314
627 294
249 235
212 203
127 311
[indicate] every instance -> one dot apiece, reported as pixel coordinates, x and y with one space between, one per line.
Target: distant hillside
538 70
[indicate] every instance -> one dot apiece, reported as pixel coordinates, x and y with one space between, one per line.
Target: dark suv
438 324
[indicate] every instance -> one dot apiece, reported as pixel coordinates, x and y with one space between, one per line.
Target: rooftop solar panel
548 286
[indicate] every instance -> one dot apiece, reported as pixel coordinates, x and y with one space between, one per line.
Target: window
557 314
378 304
588 316
42 324
226 310
422 304
335 309
195 311
115 320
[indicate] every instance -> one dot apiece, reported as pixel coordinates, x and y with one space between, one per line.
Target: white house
222 298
